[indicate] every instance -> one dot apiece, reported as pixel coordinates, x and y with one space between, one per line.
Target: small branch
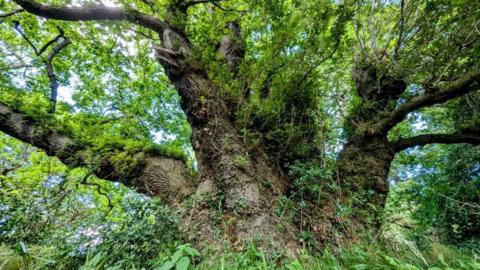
466 136
48 61
20 31
45 47
402 27
98 188
11 13
464 85
15 66
196 2
227 9
214 3
51 74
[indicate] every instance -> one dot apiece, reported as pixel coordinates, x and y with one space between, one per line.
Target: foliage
182 259
444 192
44 204
361 256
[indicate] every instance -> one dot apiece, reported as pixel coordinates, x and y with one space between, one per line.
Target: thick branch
420 140
466 84
29 131
154 174
92 13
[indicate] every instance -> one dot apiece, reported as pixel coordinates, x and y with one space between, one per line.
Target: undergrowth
356 256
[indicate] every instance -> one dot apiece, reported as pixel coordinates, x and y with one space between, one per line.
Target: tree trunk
364 162
241 186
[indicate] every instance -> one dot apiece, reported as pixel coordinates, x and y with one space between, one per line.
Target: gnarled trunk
243 186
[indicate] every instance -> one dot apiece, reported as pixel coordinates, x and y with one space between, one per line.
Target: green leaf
183 263
177 255
166 266
191 251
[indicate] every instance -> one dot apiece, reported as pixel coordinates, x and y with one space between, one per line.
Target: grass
361 256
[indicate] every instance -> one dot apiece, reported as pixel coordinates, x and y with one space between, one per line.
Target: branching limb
464 136
232 48
48 61
48 44
464 85
75 154
99 190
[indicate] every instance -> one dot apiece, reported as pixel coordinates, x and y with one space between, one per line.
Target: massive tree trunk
241 185
244 183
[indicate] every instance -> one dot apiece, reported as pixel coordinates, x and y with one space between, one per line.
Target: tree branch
150 176
48 44
20 31
464 85
11 13
470 137
48 61
92 13
196 2
29 131
232 48
51 74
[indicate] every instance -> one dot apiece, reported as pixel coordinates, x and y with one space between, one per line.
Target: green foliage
376 256
182 259
445 192
44 204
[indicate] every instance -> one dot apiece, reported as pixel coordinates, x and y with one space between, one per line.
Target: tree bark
245 184
152 174
364 162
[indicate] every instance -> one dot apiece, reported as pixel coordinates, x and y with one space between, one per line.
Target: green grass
375 256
